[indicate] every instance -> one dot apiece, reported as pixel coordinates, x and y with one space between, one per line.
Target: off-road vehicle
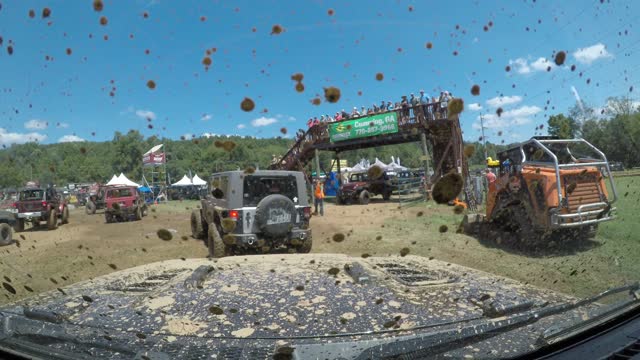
257 212
548 186
361 187
36 204
95 199
123 203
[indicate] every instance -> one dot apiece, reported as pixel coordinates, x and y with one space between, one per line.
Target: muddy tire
19 225
52 221
108 218
217 248
197 231
65 216
386 195
90 208
305 248
138 213
364 197
6 234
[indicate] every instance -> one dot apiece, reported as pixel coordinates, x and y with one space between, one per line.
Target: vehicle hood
353 185
267 301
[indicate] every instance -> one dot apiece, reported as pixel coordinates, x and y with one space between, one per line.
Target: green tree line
615 131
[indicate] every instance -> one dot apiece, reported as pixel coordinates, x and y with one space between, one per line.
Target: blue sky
67 97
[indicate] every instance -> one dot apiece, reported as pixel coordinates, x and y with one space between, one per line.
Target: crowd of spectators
404 104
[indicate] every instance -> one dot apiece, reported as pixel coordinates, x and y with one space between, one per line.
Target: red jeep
122 203
36 204
361 188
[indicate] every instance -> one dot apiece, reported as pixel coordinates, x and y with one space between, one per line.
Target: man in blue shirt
424 98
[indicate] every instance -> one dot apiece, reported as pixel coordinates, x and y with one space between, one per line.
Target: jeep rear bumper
30 215
295 237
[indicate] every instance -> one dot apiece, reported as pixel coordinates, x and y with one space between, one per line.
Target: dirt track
87 247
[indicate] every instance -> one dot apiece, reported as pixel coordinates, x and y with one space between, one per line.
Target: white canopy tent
123 180
380 164
113 181
185 181
197 181
394 165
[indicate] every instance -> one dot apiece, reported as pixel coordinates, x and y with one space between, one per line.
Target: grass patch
578 270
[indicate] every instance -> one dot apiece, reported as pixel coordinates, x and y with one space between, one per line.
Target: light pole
484 139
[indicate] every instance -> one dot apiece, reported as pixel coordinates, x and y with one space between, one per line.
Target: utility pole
484 139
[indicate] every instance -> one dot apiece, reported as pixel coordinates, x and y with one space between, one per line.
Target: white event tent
122 180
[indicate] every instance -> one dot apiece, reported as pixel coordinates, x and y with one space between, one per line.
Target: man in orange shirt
319 197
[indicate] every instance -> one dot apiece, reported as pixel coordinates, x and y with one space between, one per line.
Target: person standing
491 178
319 197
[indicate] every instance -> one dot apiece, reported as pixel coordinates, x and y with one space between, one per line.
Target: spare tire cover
275 215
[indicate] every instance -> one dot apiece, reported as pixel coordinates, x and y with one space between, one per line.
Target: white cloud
208 135
542 64
36 124
503 100
186 136
523 66
70 138
8 138
205 117
146 114
475 107
241 126
515 117
592 53
263 121
520 66
62 125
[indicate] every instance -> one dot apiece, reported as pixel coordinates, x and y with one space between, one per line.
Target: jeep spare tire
275 215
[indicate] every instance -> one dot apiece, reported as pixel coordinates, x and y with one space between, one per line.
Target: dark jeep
37 204
361 188
123 203
256 212
95 199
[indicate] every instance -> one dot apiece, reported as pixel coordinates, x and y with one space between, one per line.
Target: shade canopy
185 181
197 181
122 180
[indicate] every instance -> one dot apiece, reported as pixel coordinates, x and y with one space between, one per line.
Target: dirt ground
87 247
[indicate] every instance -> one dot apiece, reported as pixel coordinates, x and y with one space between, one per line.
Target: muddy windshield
35 194
358 177
258 187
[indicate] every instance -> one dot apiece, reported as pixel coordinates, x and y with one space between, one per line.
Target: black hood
268 301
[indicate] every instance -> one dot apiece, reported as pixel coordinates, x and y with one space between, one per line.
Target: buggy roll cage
541 144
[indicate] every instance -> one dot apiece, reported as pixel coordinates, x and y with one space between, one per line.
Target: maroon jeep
123 203
361 188
36 204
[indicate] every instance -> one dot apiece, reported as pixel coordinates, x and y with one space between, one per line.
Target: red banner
153 159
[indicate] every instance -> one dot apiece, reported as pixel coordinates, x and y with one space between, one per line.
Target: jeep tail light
307 213
44 204
15 205
233 214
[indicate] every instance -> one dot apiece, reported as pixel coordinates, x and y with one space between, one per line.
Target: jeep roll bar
540 143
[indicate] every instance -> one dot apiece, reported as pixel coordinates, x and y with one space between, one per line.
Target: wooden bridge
428 124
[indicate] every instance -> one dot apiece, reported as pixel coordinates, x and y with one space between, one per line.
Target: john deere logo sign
364 127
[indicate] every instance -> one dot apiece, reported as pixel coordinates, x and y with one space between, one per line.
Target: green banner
372 125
